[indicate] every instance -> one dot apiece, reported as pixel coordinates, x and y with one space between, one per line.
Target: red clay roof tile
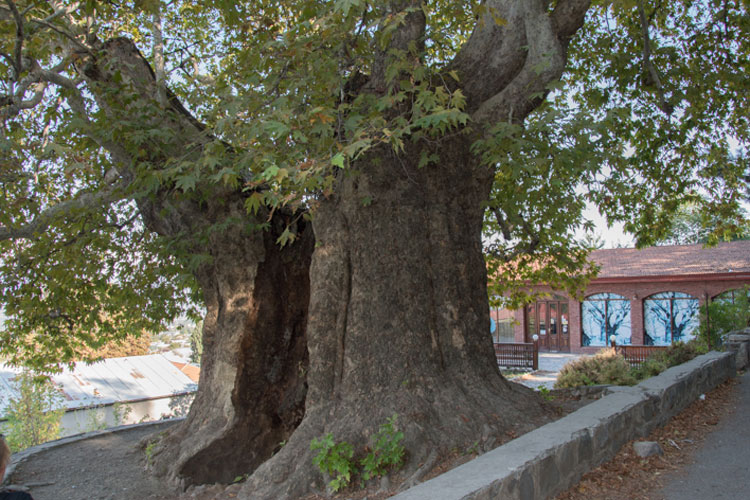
727 257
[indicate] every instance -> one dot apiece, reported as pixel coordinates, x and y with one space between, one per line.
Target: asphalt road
722 463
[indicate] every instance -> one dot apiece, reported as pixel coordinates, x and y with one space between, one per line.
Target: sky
613 237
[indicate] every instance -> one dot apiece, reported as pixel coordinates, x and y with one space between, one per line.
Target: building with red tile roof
650 296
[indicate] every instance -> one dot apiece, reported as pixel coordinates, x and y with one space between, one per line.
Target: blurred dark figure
4 461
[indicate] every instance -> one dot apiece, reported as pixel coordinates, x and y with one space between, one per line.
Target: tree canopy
651 110
689 225
157 155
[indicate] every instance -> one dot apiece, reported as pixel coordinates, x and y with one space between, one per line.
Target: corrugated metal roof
109 381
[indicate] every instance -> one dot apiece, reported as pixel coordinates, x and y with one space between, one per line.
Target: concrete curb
22 456
551 459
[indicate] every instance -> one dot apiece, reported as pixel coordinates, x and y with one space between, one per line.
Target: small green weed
545 393
473 449
337 459
386 450
149 451
334 459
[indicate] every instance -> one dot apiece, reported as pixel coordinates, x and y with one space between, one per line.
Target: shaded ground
103 467
112 467
629 477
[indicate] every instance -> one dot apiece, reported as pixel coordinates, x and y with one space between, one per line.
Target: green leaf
186 182
338 160
286 237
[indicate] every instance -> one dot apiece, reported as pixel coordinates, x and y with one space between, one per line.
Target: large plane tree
317 176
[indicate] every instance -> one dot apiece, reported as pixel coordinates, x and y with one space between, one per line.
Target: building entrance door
549 319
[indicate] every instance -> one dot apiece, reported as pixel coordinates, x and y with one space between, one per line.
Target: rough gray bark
252 389
398 321
398 315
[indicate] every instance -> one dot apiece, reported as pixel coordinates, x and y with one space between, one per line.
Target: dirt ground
105 467
111 466
629 477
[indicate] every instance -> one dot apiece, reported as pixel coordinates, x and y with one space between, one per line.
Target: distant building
650 296
115 391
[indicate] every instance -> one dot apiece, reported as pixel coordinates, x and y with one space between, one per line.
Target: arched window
670 317
604 315
731 296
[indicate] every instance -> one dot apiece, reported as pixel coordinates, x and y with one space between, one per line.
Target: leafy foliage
675 354
34 415
604 367
664 79
386 452
118 348
725 316
335 460
651 113
609 367
689 225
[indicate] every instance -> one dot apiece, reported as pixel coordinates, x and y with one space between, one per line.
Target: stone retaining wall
738 342
553 458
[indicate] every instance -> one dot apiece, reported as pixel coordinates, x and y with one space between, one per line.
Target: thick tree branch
568 17
493 55
648 65
506 66
43 221
37 78
36 81
117 72
411 22
158 53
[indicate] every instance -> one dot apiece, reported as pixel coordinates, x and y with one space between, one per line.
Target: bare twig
502 223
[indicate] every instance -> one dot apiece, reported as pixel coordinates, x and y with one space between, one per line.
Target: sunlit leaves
286 100
93 278
698 51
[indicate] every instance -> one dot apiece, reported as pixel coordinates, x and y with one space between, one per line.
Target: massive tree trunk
252 387
399 320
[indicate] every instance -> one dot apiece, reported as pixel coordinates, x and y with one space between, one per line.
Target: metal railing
635 355
517 355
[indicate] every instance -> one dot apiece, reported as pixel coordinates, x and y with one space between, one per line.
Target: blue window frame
670 317
604 315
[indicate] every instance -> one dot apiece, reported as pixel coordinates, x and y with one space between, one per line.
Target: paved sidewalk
550 364
722 463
